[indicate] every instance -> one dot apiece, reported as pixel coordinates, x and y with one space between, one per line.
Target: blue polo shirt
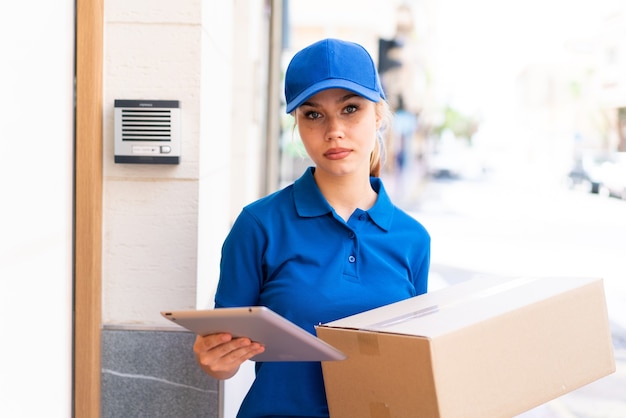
291 252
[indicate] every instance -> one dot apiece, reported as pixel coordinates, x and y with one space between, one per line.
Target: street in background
499 225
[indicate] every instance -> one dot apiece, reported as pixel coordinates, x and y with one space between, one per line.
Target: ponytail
383 112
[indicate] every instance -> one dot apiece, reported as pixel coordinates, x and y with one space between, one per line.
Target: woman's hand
220 355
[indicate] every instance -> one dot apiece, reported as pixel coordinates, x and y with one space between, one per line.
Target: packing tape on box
429 310
368 344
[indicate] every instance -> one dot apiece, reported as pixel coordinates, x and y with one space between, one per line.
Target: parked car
613 176
586 171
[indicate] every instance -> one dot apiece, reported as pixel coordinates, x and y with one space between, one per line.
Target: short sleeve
241 266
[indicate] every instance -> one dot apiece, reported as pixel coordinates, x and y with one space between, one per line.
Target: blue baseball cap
328 64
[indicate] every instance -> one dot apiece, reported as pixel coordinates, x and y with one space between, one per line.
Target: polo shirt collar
382 211
310 202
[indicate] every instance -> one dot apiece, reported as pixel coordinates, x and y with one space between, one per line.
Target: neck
347 193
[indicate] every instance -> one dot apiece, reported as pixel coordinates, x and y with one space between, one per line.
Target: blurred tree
463 126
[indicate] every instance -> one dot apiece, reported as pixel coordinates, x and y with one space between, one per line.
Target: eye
351 108
312 114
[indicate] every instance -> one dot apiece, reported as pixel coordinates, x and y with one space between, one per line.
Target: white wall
164 225
36 115
162 222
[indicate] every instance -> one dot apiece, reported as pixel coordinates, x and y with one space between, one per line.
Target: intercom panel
147 131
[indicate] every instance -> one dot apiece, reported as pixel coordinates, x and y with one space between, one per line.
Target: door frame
88 208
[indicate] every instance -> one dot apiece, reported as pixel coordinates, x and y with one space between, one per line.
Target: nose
334 128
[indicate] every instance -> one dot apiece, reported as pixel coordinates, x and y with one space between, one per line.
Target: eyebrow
340 100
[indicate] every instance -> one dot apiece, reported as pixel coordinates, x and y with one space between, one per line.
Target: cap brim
333 83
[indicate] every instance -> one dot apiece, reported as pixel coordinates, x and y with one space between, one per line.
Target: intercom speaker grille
146 124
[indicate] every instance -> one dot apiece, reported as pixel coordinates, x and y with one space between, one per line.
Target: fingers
221 355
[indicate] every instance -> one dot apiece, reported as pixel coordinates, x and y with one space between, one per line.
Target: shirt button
352 259
352 235
361 217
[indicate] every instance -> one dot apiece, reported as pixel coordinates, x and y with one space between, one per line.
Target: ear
379 117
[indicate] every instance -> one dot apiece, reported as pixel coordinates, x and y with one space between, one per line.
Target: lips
337 153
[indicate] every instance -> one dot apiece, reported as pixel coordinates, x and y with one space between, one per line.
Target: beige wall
164 225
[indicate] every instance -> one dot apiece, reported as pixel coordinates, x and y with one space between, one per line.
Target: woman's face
338 130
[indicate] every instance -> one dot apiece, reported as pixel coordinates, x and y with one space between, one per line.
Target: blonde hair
384 114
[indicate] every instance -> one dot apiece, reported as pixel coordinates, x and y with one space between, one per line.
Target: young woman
331 244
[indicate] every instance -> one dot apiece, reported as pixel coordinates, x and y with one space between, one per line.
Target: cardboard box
485 348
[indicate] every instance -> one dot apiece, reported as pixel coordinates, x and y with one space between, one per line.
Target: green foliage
463 126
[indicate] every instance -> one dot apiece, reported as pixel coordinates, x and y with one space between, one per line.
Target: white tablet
283 340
